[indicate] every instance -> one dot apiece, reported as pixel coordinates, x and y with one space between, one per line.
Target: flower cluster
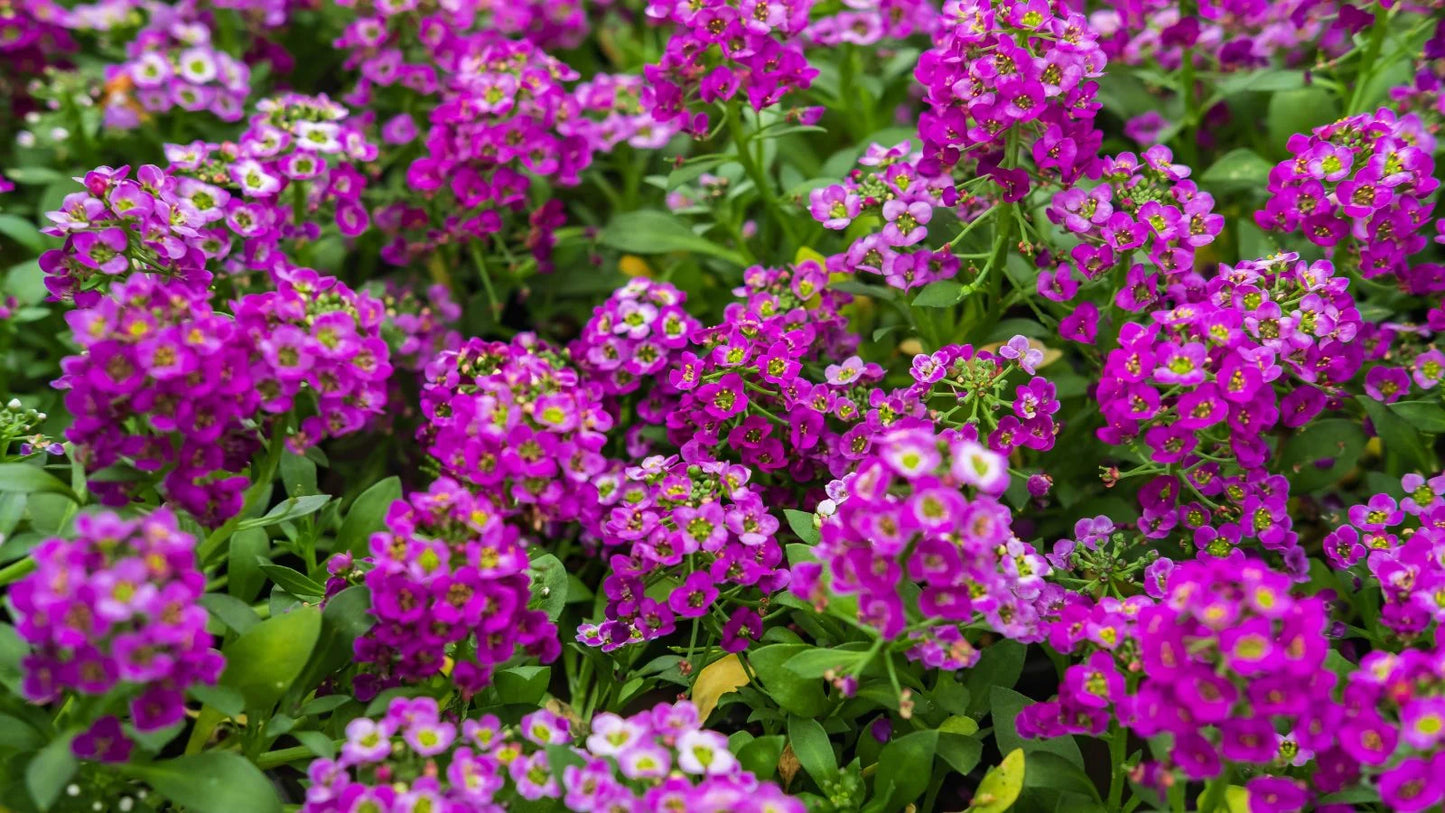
419 324
633 336
612 113
976 381
1199 381
173 63
317 353
153 223
412 758
1222 662
165 383
720 48
116 606
494 132
517 421
1018 66
32 34
1392 725
1361 187
1399 543
870 22
1144 203
703 527
893 190
746 390
448 580
922 509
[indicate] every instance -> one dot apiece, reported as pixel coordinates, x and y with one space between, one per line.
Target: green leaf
693 169
802 524
248 547
226 700
549 585
960 752
298 474
320 744
1298 111
1426 416
812 748
1001 786
943 293
905 766
213 782
48 772
18 734
1238 169
292 508
1399 438
34 176
1005 705
816 662
648 231
13 650
999 665
297 584
959 724
231 611
23 478
264 662
793 693
1339 439
1259 81
760 756
23 232
367 515
523 684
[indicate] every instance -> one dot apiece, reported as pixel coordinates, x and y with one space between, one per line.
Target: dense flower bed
438 406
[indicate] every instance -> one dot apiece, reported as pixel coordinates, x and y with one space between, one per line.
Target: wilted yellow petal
715 680
634 266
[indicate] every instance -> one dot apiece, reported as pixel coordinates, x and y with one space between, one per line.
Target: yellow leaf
1236 799
634 266
715 680
959 725
1001 787
805 254
447 664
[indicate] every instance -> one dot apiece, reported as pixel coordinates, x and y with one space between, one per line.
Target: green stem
758 176
283 756
16 571
259 488
1118 745
1372 53
474 248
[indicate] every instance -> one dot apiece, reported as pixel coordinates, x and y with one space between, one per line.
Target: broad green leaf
48 772
224 699
906 766
760 756
959 724
320 744
293 582
812 748
792 692
960 752
298 474
523 684
1426 416
943 293
1238 169
1005 705
694 169
1338 439
1399 438
1298 111
802 524
213 782
816 662
999 665
23 232
243 565
366 516
1001 786
549 585
648 231
23 478
292 508
231 611
263 662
